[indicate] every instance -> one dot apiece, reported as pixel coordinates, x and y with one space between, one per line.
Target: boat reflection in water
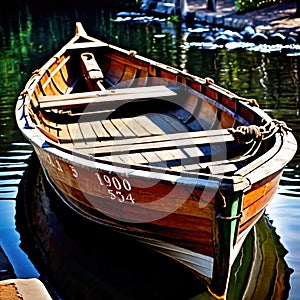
78 259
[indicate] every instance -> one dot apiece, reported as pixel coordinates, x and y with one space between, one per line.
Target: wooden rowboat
163 156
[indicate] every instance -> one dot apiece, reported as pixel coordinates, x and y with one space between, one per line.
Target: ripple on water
13 163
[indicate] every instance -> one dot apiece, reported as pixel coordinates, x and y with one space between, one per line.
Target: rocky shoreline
272 26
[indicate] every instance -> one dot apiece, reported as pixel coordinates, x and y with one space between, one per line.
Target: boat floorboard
141 140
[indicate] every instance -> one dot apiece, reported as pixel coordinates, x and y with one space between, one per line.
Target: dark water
30 33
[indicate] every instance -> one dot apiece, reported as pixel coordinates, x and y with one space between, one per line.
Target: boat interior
123 108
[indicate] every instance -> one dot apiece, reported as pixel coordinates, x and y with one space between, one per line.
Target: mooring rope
24 93
248 134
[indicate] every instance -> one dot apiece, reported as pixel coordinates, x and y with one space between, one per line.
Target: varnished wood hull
153 152
51 229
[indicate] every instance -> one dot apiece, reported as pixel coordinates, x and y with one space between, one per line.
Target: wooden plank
66 97
135 127
146 123
193 152
115 158
167 123
111 92
92 114
187 142
54 71
99 129
90 66
48 134
87 131
115 72
125 131
129 75
74 131
222 168
154 160
86 45
177 168
92 72
111 129
174 123
164 155
219 164
153 157
135 158
112 97
128 61
207 137
77 138
63 133
177 156
172 154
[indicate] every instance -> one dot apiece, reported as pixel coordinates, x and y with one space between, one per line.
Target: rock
125 14
259 38
276 38
237 37
121 19
290 40
209 39
148 5
199 30
247 33
223 39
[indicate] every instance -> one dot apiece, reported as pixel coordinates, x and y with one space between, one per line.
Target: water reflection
82 260
30 31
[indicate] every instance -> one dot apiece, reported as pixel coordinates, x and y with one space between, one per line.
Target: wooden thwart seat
153 143
111 97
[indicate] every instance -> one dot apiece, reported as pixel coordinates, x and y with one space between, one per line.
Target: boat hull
46 225
191 226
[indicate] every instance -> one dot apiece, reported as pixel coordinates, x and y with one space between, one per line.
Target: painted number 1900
118 189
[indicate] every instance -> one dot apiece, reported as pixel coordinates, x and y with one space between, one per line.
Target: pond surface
30 33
